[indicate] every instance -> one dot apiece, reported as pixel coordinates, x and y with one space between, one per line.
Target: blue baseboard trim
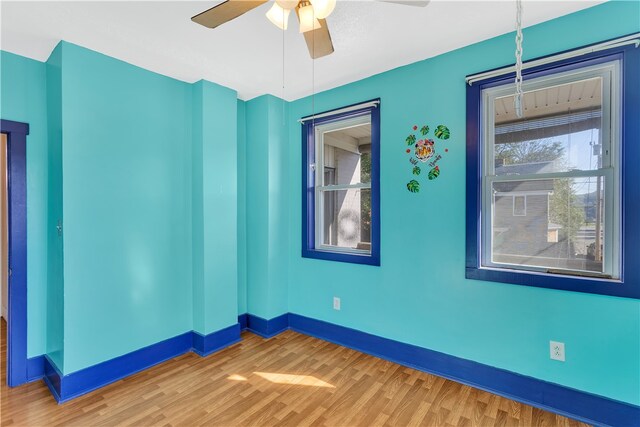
75 384
242 320
267 328
556 398
204 345
52 378
35 368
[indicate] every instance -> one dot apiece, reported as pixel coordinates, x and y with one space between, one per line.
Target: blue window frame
341 184
492 179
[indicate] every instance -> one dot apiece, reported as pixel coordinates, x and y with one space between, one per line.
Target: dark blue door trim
17 191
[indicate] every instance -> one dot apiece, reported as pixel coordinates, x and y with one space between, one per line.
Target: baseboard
35 368
267 328
215 341
242 320
75 384
52 378
573 403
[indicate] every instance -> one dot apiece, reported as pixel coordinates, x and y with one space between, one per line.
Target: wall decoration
442 132
422 149
413 186
433 173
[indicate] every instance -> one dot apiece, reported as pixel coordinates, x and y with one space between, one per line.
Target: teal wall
241 162
142 168
197 217
215 207
127 207
55 256
419 294
266 206
23 98
182 208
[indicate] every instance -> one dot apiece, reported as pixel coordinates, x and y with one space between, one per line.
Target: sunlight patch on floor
236 377
294 379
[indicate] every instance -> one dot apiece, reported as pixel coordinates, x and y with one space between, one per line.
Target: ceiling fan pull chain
518 98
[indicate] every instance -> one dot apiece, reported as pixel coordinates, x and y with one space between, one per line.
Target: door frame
17 218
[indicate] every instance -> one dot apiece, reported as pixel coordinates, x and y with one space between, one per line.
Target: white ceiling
247 54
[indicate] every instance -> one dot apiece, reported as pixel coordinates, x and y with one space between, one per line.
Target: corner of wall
55 271
267 208
215 207
242 206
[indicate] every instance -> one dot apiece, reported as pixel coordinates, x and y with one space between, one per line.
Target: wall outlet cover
336 303
556 350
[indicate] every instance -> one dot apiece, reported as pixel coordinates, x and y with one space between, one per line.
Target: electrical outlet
556 350
336 303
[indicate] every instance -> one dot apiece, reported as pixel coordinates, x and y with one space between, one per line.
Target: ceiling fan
311 14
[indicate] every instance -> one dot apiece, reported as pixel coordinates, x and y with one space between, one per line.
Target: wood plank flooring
288 380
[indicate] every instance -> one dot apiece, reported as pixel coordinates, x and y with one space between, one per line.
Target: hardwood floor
289 380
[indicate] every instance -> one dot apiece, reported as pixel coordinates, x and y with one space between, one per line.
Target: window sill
352 258
591 285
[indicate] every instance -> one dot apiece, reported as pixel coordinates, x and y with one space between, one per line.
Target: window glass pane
560 131
347 218
348 153
520 205
560 230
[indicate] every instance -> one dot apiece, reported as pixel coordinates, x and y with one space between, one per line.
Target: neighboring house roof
545 185
526 168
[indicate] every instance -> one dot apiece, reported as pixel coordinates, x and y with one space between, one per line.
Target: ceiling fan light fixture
279 16
323 8
287 4
308 21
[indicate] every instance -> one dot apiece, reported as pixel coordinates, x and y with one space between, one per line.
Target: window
546 191
519 205
340 189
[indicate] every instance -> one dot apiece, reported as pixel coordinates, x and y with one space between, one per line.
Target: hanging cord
313 69
518 98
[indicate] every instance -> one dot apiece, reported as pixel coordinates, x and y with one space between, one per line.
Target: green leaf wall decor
413 186
442 132
434 173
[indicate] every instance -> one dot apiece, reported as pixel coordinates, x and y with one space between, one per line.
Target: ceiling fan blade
419 3
225 11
